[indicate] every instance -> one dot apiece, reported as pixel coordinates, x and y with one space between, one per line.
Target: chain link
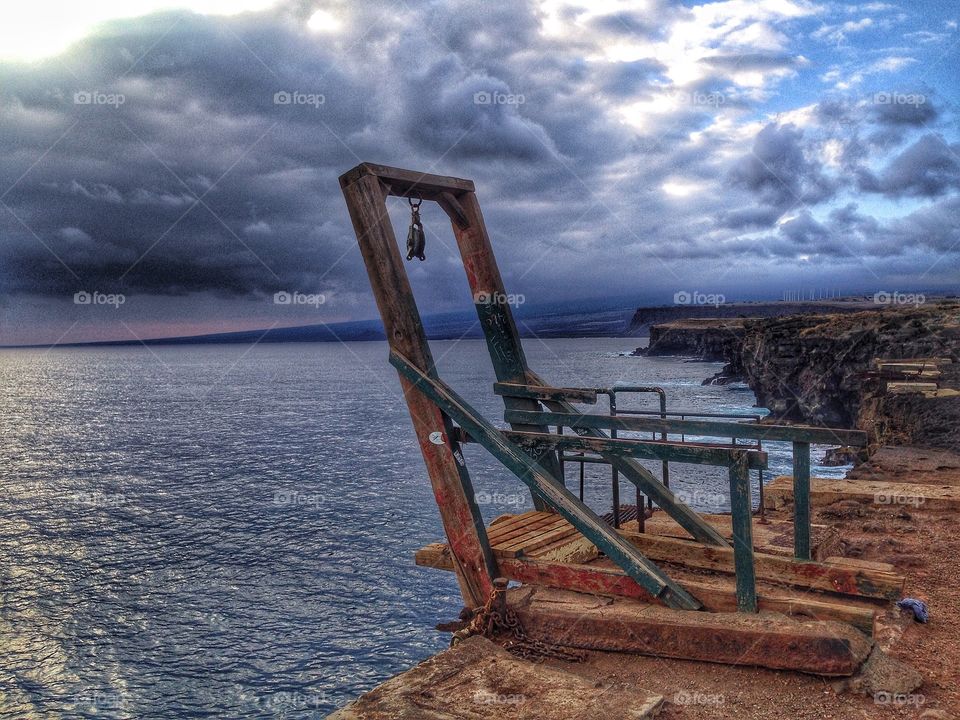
496 619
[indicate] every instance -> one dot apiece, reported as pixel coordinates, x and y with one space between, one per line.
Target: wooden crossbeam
708 428
626 556
831 576
408 183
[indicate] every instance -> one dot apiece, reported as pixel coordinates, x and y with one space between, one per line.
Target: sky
170 167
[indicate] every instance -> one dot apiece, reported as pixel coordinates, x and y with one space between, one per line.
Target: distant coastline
590 319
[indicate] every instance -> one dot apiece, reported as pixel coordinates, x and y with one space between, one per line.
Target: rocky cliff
645 318
702 338
821 369
815 368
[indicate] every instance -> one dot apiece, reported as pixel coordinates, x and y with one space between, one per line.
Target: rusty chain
495 619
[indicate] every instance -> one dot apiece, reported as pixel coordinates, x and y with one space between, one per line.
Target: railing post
614 475
740 508
801 500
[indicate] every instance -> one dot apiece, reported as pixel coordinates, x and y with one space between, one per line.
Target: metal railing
645 506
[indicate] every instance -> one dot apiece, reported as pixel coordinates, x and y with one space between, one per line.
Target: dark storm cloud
927 168
778 172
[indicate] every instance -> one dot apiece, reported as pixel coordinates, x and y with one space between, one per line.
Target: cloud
930 167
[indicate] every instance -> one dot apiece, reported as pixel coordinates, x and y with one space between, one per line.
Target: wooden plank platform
549 556
478 680
546 536
823 491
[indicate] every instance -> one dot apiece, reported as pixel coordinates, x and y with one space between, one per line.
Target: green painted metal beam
578 395
691 453
625 555
801 500
741 510
751 431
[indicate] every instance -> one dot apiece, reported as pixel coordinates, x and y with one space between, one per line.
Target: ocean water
228 531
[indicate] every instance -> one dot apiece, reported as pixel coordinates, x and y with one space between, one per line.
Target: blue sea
228 531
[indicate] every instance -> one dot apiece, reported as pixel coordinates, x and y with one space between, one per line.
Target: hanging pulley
416 241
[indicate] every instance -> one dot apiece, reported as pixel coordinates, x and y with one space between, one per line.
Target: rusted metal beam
693 453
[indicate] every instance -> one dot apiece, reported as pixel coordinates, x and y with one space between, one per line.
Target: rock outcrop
701 338
816 368
821 369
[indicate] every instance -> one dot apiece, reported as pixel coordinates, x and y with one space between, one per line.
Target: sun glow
42 28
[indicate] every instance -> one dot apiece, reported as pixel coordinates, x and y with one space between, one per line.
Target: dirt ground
923 544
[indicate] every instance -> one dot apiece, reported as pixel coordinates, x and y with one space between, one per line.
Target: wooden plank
532 535
521 528
673 451
560 534
823 491
770 641
539 392
504 522
774 537
707 428
716 594
872 580
582 517
407 183
477 680
451 483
